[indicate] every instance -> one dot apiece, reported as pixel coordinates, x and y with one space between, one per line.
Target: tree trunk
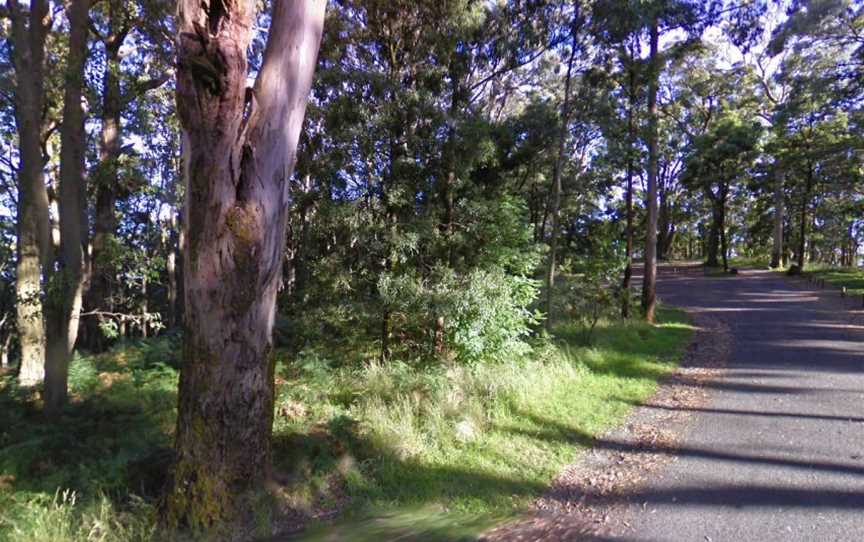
105 220
67 278
805 200
779 202
4 351
448 184
665 229
28 288
169 236
145 308
241 149
722 227
713 245
33 226
631 148
107 187
649 283
556 184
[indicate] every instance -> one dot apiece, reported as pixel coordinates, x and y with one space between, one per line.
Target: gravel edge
589 500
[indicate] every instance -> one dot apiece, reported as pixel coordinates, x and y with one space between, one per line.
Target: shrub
594 293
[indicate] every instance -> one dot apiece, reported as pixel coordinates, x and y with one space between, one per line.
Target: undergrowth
435 449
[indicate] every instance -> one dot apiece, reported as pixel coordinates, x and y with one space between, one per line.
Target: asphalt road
778 453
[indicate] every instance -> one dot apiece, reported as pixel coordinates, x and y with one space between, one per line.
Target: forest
270 265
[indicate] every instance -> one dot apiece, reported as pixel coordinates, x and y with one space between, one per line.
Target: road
778 452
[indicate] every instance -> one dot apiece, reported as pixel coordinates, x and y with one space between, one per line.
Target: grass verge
480 442
400 449
850 277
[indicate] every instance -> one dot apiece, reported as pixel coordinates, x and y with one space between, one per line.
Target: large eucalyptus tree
240 145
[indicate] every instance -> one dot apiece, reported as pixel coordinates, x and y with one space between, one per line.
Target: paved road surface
778 453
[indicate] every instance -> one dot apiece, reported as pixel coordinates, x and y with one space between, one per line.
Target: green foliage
489 316
595 293
64 518
480 441
74 482
486 313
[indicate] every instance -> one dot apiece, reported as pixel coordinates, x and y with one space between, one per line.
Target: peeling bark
240 147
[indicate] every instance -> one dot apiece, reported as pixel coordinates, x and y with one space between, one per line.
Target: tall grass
482 440
450 447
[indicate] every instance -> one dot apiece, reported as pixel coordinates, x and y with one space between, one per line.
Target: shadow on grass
414 505
639 350
107 440
851 278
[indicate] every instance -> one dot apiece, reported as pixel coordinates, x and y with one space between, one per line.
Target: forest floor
775 451
397 451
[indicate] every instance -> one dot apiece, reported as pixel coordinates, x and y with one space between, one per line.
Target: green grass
757 262
850 277
71 480
481 442
425 451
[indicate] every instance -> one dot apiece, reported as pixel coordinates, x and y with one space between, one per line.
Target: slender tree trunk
805 200
145 308
649 284
241 152
67 279
108 189
556 185
4 351
779 203
722 226
105 219
171 269
448 185
33 227
713 244
665 229
631 148
387 264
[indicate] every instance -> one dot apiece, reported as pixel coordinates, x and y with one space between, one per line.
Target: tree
719 158
66 278
241 146
29 32
649 280
779 211
629 61
115 23
621 19
556 170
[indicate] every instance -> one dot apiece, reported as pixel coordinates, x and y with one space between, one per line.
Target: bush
594 293
486 314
